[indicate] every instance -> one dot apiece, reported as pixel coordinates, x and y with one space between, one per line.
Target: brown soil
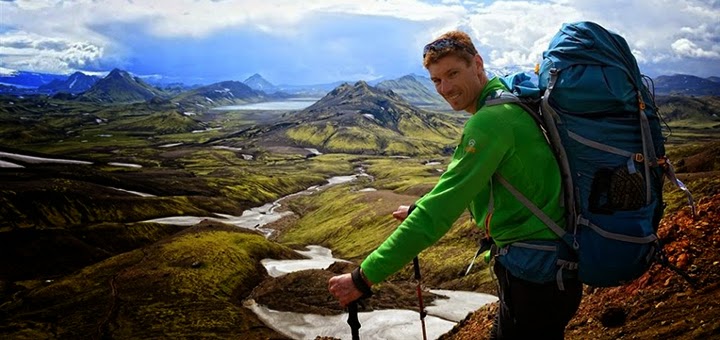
658 305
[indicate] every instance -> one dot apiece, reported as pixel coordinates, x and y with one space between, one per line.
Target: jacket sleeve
480 152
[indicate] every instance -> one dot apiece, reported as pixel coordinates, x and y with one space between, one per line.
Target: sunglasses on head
445 43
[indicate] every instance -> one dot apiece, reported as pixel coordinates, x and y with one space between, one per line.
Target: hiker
498 139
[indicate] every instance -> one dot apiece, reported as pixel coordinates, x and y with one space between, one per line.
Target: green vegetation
188 285
120 277
354 223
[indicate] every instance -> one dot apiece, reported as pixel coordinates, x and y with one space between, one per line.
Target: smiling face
459 81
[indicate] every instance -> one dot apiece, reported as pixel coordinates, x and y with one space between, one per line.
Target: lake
289 105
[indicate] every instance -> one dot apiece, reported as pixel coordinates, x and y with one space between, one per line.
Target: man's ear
479 65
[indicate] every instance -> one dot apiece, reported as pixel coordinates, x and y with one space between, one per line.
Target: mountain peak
257 82
254 77
120 86
116 71
348 102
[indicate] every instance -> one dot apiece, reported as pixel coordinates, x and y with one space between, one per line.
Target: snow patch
223 147
127 165
4 164
40 160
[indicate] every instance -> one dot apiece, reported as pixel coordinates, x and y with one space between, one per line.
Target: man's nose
443 87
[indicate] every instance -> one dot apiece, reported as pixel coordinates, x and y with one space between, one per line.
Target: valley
85 255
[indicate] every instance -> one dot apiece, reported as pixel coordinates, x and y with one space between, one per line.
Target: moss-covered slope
189 285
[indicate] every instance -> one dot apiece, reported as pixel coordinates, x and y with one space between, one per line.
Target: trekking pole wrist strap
360 283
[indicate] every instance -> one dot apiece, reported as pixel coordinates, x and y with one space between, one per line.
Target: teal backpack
602 124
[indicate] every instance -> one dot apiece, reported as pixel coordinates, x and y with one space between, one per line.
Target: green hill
690 112
161 123
120 87
363 119
218 94
186 286
413 91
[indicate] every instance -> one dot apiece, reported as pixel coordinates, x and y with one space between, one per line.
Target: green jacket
500 138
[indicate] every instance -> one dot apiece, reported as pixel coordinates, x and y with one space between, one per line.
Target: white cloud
63 34
27 51
686 48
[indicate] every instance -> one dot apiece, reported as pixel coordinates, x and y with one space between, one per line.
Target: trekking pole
353 320
416 265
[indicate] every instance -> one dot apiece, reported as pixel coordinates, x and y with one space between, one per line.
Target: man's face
459 83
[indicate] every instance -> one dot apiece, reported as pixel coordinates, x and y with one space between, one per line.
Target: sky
314 41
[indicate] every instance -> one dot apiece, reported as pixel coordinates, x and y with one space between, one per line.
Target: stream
391 324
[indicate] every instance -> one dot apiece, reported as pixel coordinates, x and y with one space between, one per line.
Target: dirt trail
658 305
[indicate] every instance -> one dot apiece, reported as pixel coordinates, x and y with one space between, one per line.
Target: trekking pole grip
416 266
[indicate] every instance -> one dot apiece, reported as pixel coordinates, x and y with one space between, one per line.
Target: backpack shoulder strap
558 230
504 97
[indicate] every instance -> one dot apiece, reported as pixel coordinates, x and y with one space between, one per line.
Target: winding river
393 324
443 314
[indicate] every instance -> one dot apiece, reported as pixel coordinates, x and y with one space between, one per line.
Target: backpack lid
588 43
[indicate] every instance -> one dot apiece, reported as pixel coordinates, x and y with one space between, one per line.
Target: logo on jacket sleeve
471 146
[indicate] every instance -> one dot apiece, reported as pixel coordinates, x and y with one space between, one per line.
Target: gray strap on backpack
559 231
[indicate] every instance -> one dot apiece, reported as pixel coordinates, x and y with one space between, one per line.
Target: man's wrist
361 283
367 281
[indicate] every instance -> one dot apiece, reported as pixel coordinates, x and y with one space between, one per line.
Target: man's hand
343 288
401 213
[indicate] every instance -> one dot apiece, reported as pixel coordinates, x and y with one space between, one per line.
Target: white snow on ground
127 165
319 258
170 145
443 314
4 164
227 148
39 160
134 192
313 150
390 324
459 304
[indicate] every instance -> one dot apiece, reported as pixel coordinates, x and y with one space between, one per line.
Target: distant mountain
120 87
9 89
425 80
163 123
714 79
413 91
695 110
360 118
685 84
219 94
314 90
507 70
174 89
24 79
257 82
77 82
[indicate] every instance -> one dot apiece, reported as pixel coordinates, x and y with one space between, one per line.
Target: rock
613 317
196 264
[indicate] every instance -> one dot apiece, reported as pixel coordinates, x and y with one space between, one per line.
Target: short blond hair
455 43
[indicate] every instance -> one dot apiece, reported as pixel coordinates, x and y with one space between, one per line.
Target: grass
354 223
194 277
161 293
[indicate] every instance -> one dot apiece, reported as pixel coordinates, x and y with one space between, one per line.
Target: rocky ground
659 305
